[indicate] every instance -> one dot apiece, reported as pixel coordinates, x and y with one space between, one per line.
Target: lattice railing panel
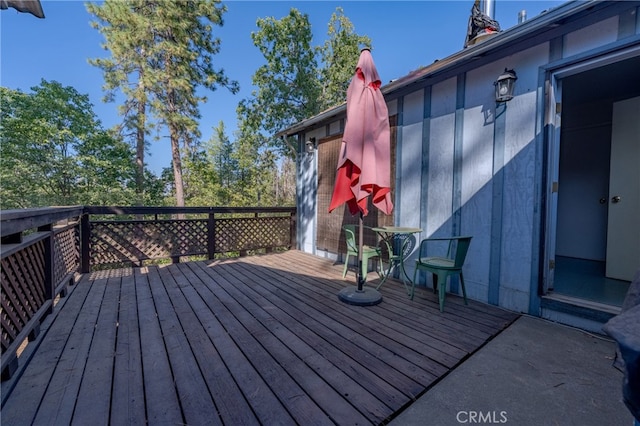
23 292
134 241
66 253
241 234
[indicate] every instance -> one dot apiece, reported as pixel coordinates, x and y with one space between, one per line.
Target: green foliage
298 81
222 173
161 53
223 156
288 84
124 70
53 151
339 54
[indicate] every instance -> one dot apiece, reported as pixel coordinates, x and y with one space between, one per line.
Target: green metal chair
368 252
443 267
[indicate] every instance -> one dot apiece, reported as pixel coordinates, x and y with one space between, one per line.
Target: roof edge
439 66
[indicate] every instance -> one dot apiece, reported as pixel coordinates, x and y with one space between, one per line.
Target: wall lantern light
310 144
504 85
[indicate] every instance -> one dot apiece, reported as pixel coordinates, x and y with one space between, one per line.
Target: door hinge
552 264
554 187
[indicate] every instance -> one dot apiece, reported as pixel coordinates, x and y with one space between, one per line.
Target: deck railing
43 249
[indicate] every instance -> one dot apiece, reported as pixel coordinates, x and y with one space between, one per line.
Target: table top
396 230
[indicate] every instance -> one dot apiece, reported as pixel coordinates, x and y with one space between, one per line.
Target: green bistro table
397 252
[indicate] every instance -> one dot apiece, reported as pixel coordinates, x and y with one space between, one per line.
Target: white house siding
439 185
590 37
435 201
307 191
306 213
335 127
503 262
392 106
409 164
519 176
476 177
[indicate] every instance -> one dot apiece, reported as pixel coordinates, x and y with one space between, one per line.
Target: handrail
20 220
185 210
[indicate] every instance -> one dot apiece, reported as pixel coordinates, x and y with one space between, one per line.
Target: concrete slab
536 373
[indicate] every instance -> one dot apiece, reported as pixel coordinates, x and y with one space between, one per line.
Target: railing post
292 231
49 285
85 238
211 236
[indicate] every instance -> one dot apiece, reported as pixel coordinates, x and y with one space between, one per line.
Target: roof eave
532 26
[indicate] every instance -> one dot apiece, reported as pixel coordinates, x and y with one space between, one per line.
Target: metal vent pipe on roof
522 16
487 6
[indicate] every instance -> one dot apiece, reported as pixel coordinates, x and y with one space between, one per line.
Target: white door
552 122
623 230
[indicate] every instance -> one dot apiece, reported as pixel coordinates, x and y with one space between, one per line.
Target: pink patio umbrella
364 168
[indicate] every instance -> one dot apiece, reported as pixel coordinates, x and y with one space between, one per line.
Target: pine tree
162 51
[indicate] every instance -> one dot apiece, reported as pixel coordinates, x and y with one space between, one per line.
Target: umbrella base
364 297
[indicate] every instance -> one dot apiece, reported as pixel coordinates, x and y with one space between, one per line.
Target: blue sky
405 35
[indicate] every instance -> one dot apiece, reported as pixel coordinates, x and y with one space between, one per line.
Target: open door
552 124
623 230
592 231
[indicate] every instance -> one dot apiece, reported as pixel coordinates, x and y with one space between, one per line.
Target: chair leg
464 291
384 274
413 282
380 267
365 265
346 266
441 290
381 274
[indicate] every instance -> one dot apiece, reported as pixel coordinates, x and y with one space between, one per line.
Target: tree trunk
140 153
177 167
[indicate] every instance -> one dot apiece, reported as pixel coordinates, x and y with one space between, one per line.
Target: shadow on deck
256 340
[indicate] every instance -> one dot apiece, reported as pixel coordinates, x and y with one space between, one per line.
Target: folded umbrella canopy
364 169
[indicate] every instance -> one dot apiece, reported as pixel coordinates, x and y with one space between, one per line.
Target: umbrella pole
358 295
360 244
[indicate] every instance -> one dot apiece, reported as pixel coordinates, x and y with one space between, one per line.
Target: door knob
603 200
615 199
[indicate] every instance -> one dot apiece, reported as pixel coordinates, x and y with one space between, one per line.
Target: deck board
228 397
63 389
94 396
248 311
255 340
127 402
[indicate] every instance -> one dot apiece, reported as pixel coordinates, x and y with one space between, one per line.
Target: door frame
555 73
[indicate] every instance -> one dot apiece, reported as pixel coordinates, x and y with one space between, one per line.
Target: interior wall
585 151
584 180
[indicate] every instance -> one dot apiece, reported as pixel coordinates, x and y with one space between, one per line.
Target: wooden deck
257 340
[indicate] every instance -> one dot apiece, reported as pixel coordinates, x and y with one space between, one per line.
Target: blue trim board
458 155
538 230
456 205
497 184
424 183
399 124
